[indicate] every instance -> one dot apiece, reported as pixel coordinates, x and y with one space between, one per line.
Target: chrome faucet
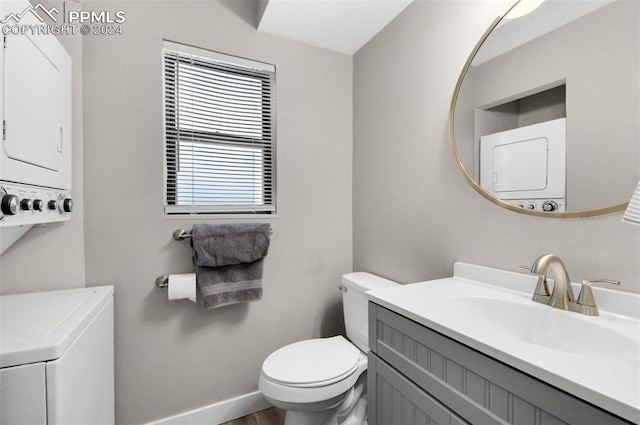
562 295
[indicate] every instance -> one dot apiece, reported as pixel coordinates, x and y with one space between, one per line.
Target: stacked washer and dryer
56 348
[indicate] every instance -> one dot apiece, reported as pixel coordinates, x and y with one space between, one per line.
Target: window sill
222 216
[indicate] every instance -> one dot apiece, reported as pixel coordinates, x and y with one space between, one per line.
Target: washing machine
56 357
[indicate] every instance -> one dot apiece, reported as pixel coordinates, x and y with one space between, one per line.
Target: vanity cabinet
419 376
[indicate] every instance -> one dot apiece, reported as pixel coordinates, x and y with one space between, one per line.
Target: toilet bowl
322 381
313 379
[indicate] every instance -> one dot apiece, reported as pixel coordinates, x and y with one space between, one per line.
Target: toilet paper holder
179 235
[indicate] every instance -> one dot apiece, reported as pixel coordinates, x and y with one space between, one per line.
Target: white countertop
606 375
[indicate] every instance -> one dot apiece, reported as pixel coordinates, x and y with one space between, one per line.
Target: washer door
312 363
23 395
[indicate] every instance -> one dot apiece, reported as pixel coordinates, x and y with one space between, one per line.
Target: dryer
56 357
526 166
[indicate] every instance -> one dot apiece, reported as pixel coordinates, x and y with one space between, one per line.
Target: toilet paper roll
182 286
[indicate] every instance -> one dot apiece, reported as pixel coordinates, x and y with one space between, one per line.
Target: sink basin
543 326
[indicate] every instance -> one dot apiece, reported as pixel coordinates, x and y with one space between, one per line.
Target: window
219 118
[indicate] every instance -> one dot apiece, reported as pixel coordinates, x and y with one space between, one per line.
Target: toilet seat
312 363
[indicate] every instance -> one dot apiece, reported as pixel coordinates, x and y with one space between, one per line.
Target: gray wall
175 356
414 214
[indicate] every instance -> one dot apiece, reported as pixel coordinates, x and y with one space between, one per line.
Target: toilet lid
312 362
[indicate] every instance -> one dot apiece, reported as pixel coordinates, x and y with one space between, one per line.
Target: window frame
173 134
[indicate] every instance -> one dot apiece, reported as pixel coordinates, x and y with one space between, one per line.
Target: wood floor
271 416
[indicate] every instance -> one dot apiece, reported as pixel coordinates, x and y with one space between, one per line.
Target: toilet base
353 410
298 417
347 409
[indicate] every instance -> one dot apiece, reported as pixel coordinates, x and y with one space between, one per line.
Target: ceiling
346 25
551 14
340 25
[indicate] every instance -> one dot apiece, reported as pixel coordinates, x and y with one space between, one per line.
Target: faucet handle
586 295
586 303
541 293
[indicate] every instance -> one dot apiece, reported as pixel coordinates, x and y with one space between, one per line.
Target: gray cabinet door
477 387
395 400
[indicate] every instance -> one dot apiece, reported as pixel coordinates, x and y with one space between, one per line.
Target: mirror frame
456 156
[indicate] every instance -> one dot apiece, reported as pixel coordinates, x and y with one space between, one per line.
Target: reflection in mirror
545 117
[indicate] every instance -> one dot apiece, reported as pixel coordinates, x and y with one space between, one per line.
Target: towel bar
181 235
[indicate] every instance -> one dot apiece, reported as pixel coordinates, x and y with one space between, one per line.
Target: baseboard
218 413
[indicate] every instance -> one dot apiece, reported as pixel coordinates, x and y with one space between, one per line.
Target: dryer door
526 162
520 165
33 87
36 104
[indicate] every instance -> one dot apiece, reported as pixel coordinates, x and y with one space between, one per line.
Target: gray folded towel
225 244
229 261
225 285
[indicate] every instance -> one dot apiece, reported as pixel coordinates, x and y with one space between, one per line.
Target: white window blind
219 116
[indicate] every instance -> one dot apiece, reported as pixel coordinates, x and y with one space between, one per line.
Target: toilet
322 381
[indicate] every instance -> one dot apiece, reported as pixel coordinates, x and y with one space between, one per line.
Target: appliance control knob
67 205
52 205
38 204
26 204
9 204
549 206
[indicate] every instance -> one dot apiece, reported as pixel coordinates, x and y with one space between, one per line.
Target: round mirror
545 116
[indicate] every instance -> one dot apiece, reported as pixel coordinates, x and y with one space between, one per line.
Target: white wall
175 356
414 214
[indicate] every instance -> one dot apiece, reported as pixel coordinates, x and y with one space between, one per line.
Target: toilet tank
355 305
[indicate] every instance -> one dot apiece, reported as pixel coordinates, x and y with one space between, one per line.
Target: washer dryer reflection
527 166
